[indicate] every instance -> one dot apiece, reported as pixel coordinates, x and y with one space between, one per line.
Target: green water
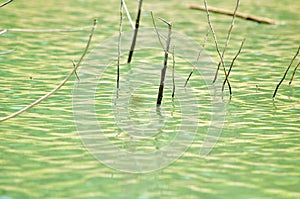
41 153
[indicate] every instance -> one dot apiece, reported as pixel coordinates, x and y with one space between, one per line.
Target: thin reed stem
292 77
227 39
5 3
217 45
163 71
173 73
127 13
288 68
60 85
199 54
233 60
119 43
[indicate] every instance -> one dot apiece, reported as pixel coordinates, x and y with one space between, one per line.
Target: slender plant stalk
227 39
216 43
292 77
173 73
60 85
199 54
163 71
137 24
5 3
119 43
288 68
157 33
74 65
128 15
233 60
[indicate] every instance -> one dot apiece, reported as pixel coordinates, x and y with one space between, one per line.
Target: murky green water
41 153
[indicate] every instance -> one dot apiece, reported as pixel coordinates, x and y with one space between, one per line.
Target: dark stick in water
163 71
231 65
137 23
287 70
292 77
5 3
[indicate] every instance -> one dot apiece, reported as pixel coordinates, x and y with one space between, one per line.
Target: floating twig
232 62
163 71
199 54
5 3
227 39
173 72
288 68
240 15
119 43
47 30
292 77
216 43
60 85
137 23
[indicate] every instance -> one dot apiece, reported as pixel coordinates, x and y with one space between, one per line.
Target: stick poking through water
227 39
217 45
137 24
5 3
119 44
287 70
231 65
163 71
294 72
60 85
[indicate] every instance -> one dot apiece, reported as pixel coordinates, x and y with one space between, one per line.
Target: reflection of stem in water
288 68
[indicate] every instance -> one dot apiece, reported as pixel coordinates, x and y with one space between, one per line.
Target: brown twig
240 15
227 39
199 54
163 71
5 3
47 30
137 24
288 68
119 44
216 43
292 77
60 85
231 65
